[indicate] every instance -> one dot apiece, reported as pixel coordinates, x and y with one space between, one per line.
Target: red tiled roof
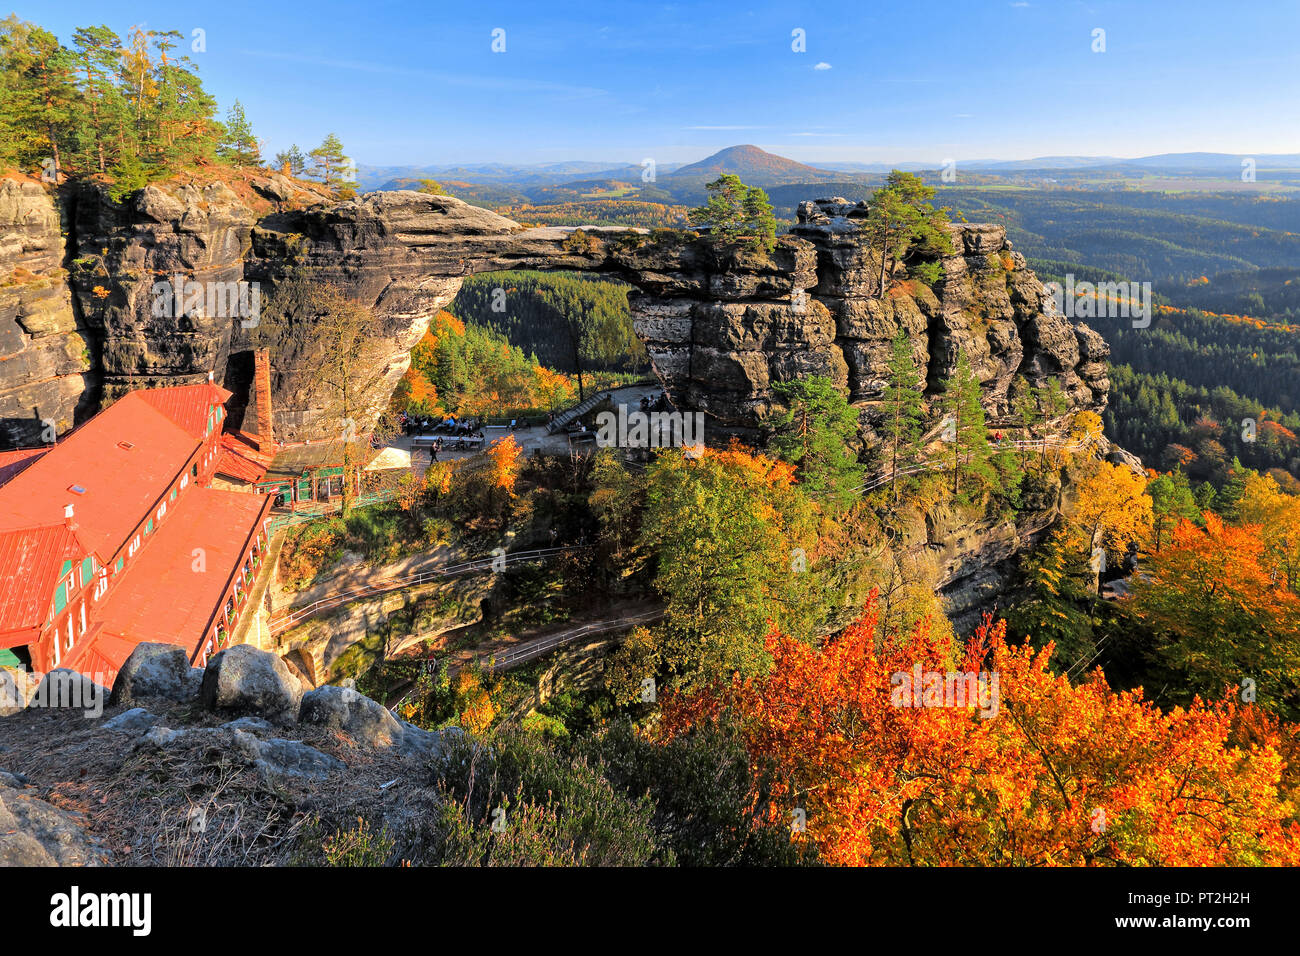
161 597
30 562
241 460
186 405
13 462
120 484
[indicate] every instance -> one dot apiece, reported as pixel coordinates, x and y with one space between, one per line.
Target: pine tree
965 427
291 159
39 106
239 146
98 51
328 162
903 421
1052 403
816 432
899 219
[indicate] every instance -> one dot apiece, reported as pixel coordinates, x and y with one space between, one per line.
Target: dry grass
198 802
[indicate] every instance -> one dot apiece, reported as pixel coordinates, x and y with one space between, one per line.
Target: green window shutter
120 562
148 528
63 571
87 571
60 598
173 497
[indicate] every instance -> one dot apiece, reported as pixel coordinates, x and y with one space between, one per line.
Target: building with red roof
113 536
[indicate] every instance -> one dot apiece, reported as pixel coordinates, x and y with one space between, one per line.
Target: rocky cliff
185 766
721 324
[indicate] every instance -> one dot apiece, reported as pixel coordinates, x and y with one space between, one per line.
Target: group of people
417 425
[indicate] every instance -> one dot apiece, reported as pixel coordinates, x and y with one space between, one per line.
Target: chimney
261 399
68 521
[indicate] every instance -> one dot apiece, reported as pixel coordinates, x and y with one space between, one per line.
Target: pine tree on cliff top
899 219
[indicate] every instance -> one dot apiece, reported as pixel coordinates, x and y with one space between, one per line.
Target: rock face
721 325
44 348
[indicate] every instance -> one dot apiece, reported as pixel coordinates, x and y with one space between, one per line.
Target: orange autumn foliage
505 456
1060 774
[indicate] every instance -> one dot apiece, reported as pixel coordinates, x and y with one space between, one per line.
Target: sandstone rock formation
44 349
721 325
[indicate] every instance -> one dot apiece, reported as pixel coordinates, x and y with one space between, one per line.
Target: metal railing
526 652
291 616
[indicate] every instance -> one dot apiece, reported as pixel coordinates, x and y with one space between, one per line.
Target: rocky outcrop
722 324
44 348
175 781
36 833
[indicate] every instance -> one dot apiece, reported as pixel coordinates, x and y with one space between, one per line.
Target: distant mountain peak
754 165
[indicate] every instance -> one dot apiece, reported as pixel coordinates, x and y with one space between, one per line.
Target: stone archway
721 326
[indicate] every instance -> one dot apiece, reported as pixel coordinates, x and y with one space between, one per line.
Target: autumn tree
1277 515
1219 616
1035 771
1112 510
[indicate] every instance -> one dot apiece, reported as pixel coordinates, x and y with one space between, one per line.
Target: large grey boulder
244 680
341 708
153 671
367 722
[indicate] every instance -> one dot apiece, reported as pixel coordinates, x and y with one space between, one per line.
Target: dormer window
77 489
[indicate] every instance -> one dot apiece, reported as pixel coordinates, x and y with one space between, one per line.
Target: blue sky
418 82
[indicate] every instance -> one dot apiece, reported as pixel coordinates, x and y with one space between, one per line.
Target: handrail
292 616
526 652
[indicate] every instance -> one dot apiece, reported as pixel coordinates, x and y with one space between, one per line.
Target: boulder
280 756
244 680
341 708
135 721
154 670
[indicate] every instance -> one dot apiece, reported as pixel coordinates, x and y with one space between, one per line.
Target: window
185 481
68 643
195 470
148 528
172 496
83 620
162 510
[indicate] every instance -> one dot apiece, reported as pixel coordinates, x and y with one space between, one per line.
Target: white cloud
822 66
